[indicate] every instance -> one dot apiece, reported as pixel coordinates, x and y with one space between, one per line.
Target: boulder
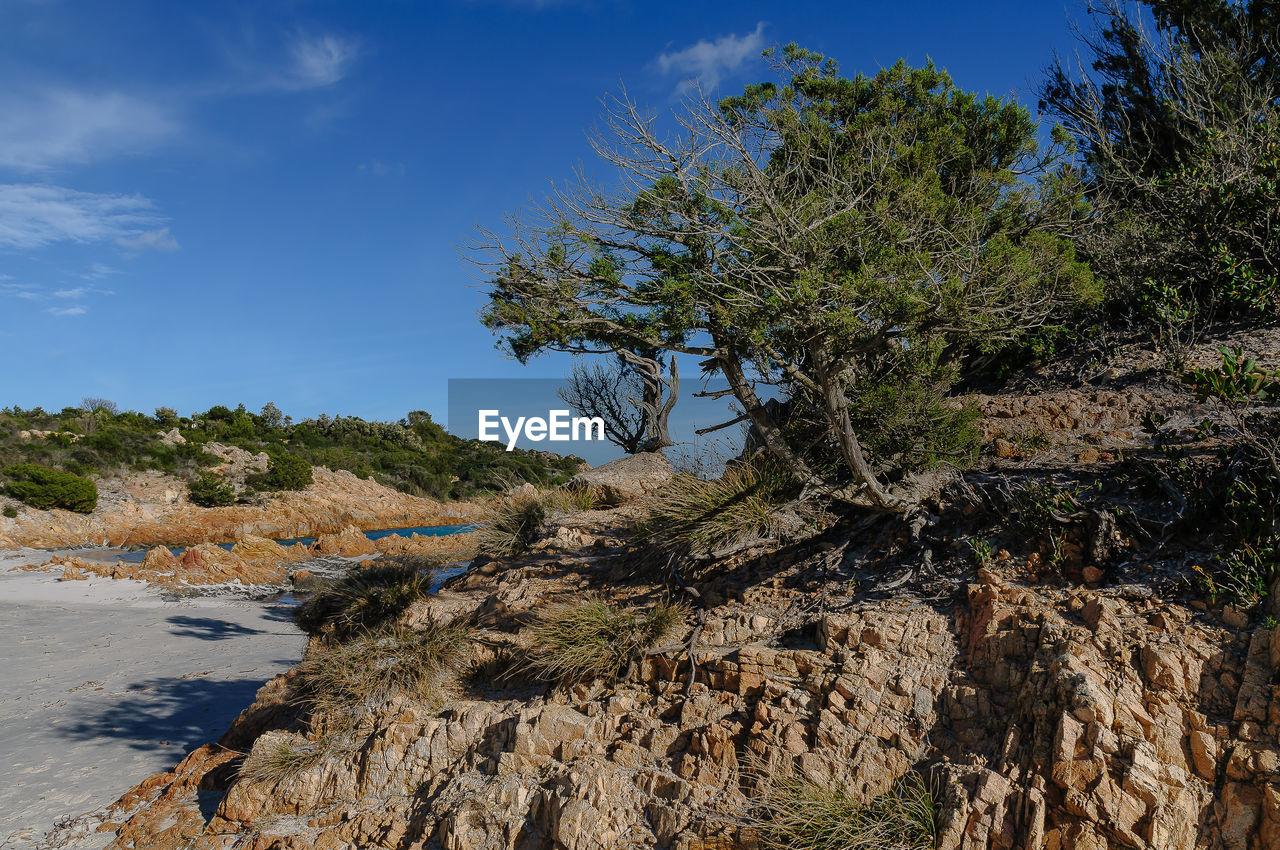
626 479
171 437
350 542
266 551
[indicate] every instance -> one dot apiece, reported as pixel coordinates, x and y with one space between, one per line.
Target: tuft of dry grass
571 499
803 815
365 599
581 640
279 759
347 679
693 515
512 525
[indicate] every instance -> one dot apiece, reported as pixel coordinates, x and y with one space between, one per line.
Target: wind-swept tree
842 241
631 396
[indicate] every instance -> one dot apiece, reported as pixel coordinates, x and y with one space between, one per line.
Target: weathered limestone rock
626 479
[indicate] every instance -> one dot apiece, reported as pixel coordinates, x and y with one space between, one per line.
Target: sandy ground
105 682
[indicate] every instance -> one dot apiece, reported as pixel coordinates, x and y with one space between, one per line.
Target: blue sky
219 202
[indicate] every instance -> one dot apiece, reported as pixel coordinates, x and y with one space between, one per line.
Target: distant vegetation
414 455
42 487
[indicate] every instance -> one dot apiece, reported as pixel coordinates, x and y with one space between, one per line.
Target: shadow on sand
169 714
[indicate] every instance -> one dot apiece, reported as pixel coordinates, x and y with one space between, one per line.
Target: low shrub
10 511
582 640
286 472
513 525
364 599
801 815
42 487
692 515
209 490
345 680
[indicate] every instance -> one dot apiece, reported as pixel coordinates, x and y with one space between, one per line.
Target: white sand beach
104 682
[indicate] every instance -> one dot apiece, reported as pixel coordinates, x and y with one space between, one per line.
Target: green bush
286 472
10 511
209 490
43 488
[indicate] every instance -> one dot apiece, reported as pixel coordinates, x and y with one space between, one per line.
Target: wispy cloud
159 239
78 310
52 127
25 291
97 271
318 61
34 215
708 62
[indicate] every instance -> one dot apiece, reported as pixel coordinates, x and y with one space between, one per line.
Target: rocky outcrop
442 547
626 479
252 561
1044 718
151 509
349 542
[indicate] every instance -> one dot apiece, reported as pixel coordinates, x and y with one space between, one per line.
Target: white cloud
44 129
316 62
97 271
25 291
69 311
153 240
33 215
707 62
78 292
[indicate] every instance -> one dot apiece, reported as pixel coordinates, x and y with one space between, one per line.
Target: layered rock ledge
1043 717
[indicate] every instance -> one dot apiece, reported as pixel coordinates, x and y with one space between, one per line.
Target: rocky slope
1042 717
152 509
1081 699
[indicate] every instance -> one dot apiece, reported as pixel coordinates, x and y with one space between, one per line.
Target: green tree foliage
820 235
1178 121
43 488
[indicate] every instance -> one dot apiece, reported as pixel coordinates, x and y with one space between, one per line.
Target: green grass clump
693 515
10 511
582 640
43 488
345 680
364 599
513 525
279 759
802 815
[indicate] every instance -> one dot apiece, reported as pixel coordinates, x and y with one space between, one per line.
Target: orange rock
349 543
